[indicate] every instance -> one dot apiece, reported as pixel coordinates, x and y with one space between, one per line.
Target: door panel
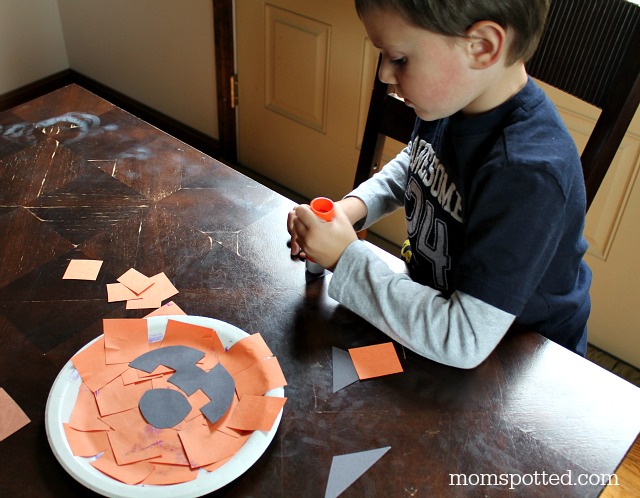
299 74
296 67
305 74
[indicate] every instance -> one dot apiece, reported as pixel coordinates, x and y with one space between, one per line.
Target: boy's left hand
322 241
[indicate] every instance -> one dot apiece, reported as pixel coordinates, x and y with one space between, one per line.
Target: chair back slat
585 45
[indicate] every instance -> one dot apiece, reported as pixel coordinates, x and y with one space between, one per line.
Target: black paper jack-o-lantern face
165 408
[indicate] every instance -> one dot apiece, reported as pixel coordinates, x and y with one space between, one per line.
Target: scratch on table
411 491
44 179
210 239
34 214
236 241
55 150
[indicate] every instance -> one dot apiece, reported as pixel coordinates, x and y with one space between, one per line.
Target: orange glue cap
322 208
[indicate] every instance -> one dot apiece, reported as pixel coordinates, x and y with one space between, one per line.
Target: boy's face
429 71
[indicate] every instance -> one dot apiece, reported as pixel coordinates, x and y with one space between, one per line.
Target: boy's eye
399 62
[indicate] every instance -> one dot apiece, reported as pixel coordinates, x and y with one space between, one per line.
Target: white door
305 73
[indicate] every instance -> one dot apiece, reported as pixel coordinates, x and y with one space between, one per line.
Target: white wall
158 52
31 42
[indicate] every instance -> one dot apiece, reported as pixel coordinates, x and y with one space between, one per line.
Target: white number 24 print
423 226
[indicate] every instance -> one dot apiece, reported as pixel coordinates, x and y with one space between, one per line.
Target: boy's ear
486 43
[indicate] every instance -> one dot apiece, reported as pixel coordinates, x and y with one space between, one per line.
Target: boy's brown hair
526 18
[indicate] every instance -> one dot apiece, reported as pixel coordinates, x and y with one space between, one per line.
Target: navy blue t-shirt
495 208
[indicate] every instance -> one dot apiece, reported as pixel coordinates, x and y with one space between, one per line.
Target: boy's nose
386 72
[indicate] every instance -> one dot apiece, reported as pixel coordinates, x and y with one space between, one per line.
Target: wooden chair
590 49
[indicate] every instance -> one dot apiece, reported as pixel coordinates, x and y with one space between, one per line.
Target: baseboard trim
181 131
35 89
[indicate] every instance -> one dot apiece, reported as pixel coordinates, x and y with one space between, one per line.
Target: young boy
491 184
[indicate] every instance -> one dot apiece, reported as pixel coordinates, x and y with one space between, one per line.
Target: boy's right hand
353 207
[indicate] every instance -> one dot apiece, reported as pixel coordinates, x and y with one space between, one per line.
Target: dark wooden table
100 184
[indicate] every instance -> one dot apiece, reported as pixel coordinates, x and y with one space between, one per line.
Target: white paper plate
62 399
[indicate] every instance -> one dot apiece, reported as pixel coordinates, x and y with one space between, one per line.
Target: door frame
223 29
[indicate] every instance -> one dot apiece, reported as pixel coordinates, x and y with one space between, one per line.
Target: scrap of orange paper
86 443
221 424
143 303
124 339
129 474
124 419
187 334
133 443
135 280
204 447
162 382
217 465
232 432
152 297
82 269
165 474
90 364
172 450
85 415
197 400
131 376
120 292
375 361
256 413
169 308
210 360
117 397
196 421
246 352
260 378
12 418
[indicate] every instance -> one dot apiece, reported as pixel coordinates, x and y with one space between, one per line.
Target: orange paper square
85 415
90 364
187 334
86 444
375 361
204 447
124 339
135 443
152 297
129 474
12 418
82 269
135 280
256 413
120 292
246 352
164 474
117 397
260 378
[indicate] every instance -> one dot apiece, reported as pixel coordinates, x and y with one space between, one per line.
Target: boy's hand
296 250
323 241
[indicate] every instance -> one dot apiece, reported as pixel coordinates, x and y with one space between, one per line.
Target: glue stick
322 208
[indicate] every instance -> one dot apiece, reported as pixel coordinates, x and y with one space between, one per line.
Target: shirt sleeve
383 193
460 331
